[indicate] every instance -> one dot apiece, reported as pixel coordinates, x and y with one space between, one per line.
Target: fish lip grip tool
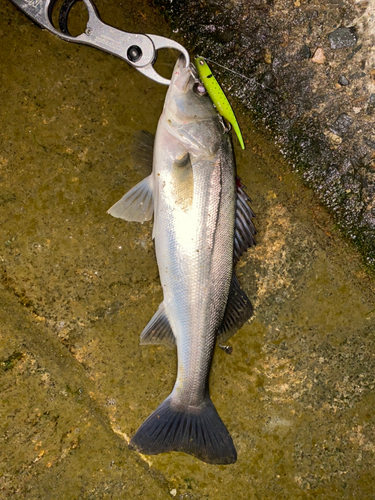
138 50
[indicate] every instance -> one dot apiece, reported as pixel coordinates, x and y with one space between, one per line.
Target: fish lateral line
217 95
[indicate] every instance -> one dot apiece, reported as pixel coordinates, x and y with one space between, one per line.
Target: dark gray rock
342 38
370 142
342 125
358 75
343 81
305 52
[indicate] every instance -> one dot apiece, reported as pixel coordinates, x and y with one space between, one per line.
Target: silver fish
202 225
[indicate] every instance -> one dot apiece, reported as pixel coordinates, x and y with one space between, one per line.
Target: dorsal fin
158 330
239 309
143 151
244 232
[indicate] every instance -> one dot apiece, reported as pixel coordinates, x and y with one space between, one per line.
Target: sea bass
202 225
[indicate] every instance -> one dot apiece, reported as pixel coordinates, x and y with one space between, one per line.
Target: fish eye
199 89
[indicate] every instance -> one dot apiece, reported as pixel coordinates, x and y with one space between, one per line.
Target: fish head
189 114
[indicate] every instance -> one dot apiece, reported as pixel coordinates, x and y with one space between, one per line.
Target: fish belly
194 248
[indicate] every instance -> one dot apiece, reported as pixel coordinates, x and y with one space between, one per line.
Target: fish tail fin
198 431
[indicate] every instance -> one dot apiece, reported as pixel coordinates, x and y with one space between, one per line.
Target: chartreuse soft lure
217 95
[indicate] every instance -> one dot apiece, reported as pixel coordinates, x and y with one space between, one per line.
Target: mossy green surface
78 286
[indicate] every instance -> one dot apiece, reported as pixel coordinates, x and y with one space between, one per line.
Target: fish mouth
182 74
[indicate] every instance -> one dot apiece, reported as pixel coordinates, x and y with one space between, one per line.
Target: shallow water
78 286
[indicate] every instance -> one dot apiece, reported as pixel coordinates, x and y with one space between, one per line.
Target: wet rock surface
343 37
78 286
266 47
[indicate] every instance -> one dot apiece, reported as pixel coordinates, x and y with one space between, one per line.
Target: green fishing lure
217 95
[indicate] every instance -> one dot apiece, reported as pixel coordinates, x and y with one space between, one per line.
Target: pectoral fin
137 204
